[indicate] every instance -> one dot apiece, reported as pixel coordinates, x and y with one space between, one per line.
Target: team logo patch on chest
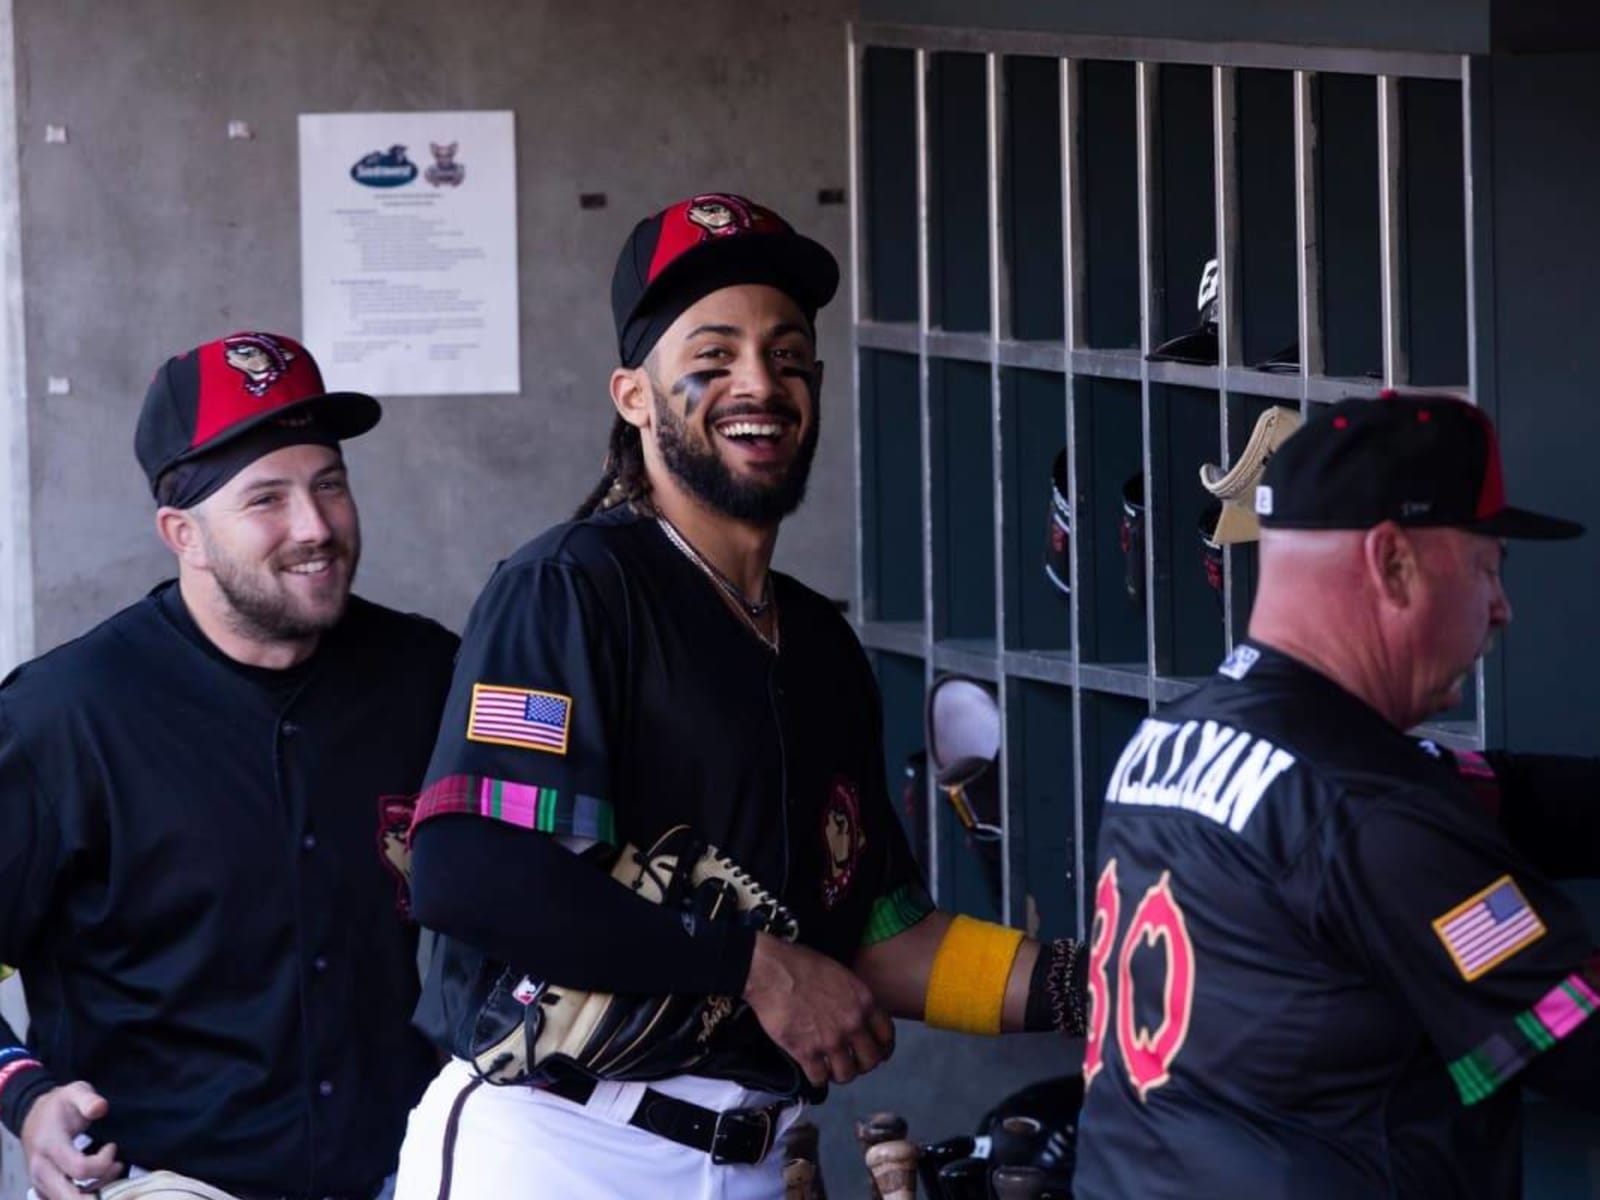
394 845
843 839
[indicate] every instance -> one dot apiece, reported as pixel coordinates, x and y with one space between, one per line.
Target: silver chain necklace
750 612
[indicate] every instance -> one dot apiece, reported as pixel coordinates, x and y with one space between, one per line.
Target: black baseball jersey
1317 965
201 884
605 694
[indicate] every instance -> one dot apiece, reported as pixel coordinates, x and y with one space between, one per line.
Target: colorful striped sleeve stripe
1483 1070
14 1060
525 805
896 913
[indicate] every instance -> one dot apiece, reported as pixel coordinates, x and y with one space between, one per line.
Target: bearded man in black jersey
642 670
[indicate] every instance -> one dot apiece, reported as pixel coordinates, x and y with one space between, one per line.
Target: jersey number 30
1147 1053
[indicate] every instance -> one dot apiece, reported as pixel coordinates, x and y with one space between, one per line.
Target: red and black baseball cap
710 241
1419 459
214 395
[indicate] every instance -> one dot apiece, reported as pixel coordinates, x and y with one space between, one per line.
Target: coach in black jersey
203 804
641 668
1319 967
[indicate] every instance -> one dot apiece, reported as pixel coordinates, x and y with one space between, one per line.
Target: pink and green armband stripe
525 805
1483 1070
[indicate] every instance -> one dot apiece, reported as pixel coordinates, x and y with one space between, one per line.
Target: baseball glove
162 1185
532 1031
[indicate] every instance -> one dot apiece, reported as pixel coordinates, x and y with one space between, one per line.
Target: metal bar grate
1106 388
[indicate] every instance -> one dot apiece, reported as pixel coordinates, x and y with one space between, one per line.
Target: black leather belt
740 1135
364 1194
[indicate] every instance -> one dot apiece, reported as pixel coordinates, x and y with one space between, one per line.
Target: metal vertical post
999 325
1145 84
1395 370
926 439
1468 186
1308 261
853 71
1224 172
1072 333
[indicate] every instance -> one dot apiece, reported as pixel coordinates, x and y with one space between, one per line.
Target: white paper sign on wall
408 251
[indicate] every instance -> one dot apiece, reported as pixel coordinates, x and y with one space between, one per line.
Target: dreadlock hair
623 481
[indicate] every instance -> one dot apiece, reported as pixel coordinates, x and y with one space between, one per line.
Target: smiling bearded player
640 695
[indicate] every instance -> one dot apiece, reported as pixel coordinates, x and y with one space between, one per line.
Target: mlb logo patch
521 717
1486 929
1237 665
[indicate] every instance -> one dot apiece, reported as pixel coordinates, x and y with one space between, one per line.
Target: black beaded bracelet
1056 998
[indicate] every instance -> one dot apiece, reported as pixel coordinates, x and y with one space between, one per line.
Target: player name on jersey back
1203 767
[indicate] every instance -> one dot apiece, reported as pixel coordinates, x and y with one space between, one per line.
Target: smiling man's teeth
751 429
315 567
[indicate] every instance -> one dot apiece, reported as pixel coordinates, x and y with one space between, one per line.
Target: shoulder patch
521 717
1489 927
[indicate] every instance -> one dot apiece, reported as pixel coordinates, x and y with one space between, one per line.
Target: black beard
707 478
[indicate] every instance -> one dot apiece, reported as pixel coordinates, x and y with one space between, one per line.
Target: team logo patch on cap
1486 929
719 213
259 357
521 717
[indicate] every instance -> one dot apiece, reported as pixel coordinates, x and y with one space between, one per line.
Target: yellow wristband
967 982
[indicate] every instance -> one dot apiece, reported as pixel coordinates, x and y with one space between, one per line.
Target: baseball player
1319 968
194 798
640 678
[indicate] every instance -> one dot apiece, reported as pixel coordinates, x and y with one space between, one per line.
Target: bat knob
894 1169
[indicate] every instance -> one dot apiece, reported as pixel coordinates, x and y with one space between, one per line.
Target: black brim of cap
1283 362
343 414
1198 347
1522 525
807 268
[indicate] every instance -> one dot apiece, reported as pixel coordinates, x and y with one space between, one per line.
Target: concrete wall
149 232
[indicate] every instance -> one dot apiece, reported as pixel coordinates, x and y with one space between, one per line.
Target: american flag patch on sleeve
1486 929
522 717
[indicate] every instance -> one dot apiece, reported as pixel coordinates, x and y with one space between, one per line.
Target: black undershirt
489 884
280 684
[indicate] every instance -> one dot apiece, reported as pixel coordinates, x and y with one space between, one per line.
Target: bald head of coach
1383 529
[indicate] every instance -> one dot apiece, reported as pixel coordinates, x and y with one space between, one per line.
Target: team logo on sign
842 838
394 845
384 168
446 171
261 358
719 214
